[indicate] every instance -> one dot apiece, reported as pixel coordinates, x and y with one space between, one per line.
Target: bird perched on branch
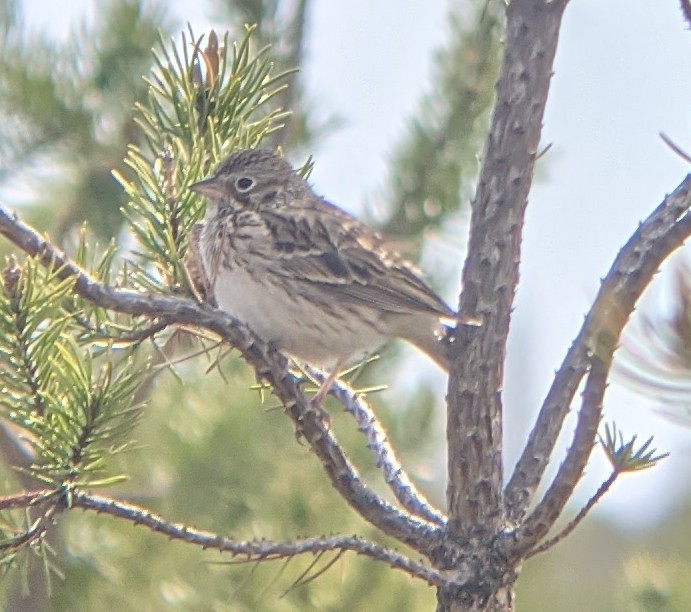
305 275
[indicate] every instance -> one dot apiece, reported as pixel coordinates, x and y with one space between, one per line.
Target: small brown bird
305 275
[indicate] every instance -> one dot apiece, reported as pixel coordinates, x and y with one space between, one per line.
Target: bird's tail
435 342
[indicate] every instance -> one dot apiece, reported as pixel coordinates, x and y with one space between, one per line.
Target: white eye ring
244 184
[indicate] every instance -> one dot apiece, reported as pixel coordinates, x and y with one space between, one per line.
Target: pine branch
284 27
623 458
202 103
265 550
26 500
33 535
72 403
384 454
599 494
660 234
490 273
268 364
30 325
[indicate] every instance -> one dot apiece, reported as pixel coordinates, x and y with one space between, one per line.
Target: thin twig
26 500
268 363
664 230
604 487
136 336
264 550
34 533
675 147
384 455
545 515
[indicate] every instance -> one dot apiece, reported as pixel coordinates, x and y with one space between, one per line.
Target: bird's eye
244 183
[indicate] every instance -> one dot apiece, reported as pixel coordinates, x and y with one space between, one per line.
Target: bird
305 275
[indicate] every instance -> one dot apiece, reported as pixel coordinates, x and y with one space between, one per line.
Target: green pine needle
192 117
73 401
624 457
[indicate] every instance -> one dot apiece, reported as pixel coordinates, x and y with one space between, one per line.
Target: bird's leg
324 389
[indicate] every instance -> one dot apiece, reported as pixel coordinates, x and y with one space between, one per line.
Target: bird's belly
311 329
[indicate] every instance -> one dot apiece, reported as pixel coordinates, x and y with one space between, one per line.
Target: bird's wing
328 248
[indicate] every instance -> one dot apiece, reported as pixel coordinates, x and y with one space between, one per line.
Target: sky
621 77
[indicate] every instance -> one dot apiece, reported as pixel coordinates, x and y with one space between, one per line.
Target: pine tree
115 378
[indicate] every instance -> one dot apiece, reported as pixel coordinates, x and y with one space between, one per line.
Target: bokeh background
370 81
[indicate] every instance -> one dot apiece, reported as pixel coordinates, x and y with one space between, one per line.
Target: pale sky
622 76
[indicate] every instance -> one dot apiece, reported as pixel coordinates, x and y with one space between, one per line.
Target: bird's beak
211 188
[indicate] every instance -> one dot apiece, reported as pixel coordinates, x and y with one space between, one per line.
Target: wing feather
335 251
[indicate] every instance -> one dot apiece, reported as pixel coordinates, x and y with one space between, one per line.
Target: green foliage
207 453
623 456
211 455
605 566
655 584
73 403
284 28
98 324
68 106
190 121
68 395
435 165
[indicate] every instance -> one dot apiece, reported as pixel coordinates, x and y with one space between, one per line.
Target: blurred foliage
284 25
604 567
655 584
655 356
434 167
206 450
67 111
213 456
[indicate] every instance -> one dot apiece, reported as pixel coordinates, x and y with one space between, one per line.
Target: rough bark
490 277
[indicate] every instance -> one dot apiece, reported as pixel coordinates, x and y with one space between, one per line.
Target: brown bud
10 277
